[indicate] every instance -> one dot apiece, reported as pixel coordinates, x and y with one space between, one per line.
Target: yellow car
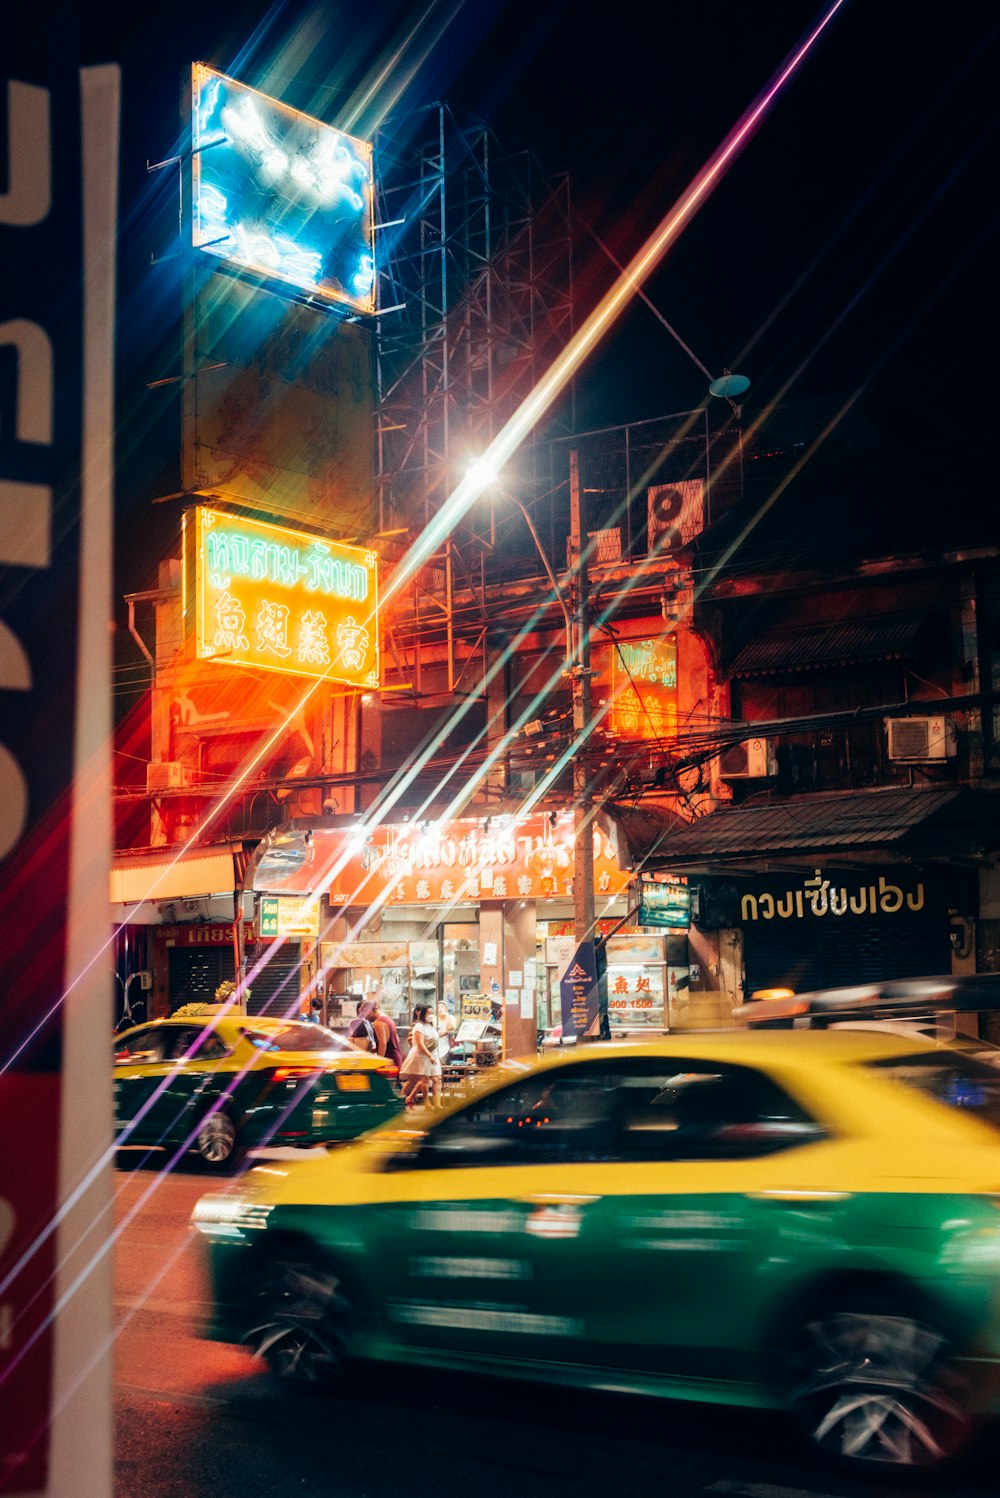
220 1085
807 1220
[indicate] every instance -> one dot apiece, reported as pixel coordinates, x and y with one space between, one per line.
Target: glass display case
424 975
643 981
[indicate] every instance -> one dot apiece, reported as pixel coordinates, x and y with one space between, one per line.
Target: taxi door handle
558 1199
793 1194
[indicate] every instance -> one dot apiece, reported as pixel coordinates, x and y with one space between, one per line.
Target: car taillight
389 1069
292 1073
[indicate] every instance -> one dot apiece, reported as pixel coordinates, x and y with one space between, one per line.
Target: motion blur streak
388 82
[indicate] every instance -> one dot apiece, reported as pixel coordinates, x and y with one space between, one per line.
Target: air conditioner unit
921 738
753 759
166 775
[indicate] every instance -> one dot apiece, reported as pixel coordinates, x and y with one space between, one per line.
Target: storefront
186 903
828 889
647 978
457 915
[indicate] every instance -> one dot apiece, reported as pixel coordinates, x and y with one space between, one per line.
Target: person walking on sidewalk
420 1074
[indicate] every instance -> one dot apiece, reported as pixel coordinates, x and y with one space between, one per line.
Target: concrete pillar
507 935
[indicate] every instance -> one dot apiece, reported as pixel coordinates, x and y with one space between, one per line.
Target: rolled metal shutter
195 973
275 988
815 955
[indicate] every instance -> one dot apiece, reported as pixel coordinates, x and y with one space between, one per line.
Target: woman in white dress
420 1073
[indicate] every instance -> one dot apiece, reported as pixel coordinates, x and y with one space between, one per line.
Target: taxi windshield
951 1077
295 1038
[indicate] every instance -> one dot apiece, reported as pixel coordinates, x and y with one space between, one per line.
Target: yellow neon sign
283 600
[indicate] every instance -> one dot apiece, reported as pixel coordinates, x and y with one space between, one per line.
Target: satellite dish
729 386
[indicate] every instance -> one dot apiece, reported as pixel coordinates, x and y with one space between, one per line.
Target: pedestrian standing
420 1074
386 1035
362 1032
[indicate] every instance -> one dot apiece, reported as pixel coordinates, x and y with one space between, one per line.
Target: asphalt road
197 1419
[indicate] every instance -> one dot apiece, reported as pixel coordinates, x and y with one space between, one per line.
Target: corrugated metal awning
943 821
838 644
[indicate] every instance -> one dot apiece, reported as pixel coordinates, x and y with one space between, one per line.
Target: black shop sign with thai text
834 896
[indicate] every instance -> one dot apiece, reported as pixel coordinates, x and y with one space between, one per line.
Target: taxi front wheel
301 1325
878 1389
216 1140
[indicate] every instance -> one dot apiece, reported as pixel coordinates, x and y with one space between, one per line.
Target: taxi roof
235 1020
760 1046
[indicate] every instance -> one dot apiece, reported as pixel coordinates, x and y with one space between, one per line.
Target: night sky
851 245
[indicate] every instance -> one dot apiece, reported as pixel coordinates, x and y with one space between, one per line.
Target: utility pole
579 671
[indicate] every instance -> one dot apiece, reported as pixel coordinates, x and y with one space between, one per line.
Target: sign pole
58 220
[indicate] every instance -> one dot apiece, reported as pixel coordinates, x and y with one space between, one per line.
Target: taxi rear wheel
877 1388
216 1140
302 1324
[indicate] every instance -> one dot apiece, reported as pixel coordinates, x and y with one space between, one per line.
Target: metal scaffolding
475 260
476 301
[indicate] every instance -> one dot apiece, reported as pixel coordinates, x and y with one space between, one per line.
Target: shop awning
932 822
637 832
191 874
840 644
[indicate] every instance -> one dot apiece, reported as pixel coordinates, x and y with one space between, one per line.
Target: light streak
563 368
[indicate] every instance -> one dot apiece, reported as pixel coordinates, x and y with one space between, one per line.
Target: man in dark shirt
362 1032
386 1035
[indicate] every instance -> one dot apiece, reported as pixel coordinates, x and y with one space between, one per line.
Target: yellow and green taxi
224 1084
799 1220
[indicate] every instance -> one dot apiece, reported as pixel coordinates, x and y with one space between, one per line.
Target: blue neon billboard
280 194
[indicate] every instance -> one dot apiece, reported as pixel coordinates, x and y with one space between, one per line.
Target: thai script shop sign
836 896
281 916
665 903
467 860
283 600
458 861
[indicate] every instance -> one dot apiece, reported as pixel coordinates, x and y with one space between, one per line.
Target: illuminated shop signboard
282 600
281 194
521 858
665 903
636 683
281 916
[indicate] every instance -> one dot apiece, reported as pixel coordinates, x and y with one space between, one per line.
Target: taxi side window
192 1044
621 1112
549 1119
178 1043
705 1111
211 1048
138 1049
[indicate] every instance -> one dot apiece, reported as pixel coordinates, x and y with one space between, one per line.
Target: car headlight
229 1216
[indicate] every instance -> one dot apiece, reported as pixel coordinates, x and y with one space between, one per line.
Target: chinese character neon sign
281 194
283 600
